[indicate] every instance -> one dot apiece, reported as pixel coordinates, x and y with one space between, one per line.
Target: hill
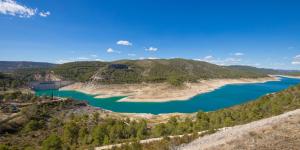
265 70
174 71
9 66
158 70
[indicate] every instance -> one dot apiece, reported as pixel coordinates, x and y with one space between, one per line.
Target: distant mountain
9 66
264 70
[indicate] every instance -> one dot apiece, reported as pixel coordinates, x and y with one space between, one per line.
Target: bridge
48 85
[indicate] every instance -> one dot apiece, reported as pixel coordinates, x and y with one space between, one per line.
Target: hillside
137 71
9 66
264 70
174 71
78 71
278 132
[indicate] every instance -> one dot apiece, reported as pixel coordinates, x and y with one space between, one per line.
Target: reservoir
226 96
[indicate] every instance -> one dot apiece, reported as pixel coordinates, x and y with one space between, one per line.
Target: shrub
53 142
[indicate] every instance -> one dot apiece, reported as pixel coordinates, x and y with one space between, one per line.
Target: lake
226 96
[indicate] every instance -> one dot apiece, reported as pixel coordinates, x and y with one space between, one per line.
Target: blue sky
262 33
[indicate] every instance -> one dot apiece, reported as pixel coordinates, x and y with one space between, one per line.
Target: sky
261 33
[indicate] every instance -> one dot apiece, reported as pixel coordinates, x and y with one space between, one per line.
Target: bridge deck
48 85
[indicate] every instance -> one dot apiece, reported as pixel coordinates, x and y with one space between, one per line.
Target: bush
175 80
4 147
32 125
53 142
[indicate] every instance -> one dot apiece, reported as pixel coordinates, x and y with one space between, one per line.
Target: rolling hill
265 70
158 70
135 71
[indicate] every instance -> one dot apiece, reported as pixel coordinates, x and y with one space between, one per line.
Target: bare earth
278 132
159 92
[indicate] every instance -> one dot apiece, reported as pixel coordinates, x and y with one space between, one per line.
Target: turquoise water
223 97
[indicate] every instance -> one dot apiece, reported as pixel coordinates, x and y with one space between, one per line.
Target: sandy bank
159 92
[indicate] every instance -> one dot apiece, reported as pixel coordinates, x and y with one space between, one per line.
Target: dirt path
278 132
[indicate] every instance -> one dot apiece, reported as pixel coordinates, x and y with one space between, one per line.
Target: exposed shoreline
159 92
289 76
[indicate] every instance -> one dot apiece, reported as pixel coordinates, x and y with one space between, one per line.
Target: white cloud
110 50
296 60
91 58
238 54
208 57
11 7
218 61
82 58
62 61
152 58
94 56
153 49
234 60
124 42
132 55
148 58
257 64
99 59
44 14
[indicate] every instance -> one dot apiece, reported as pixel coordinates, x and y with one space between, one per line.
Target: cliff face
48 76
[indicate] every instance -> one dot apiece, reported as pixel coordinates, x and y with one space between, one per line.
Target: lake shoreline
288 76
160 92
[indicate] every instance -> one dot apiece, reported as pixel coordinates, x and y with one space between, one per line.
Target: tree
159 130
175 80
106 140
142 129
32 125
96 117
83 136
202 122
4 147
53 142
71 131
98 135
172 125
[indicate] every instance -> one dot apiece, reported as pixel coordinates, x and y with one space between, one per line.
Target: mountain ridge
9 66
